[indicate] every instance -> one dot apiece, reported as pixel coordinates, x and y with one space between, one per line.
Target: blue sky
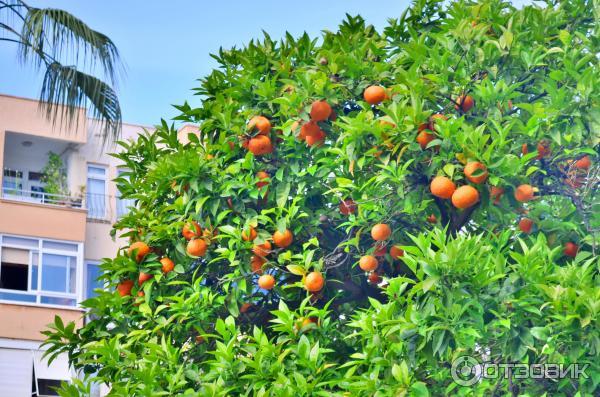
166 45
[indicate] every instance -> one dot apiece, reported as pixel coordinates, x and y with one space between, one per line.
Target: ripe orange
143 277
525 225
465 103
424 137
475 167
465 197
433 118
245 307
496 193
261 124
141 250
124 287
315 138
442 187
266 281
320 111
432 218
256 264
310 128
375 94
260 145
262 249
524 149
191 230
571 249
262 175
380 249
347 206
310 320
374 278
380 232
543 149
197 247
167 265
284 239
368 263
396 252
583 163
314 282
524 193
249 234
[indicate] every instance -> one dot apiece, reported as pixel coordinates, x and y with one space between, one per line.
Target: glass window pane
92 283
59 246
17 297
72 275
96 198
33 284
51 300
21 242
96 171
54 272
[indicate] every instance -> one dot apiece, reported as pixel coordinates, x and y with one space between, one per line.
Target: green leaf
282 193
296 269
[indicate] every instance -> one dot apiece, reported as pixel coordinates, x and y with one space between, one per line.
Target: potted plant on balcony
55 179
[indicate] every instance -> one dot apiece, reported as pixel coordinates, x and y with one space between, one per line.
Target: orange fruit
266 281
262 249
333 115
442 187
433 118
571 249
197 247
347 206
465 103
432 218
524 193
368 263
141 250
465 197
310 128
543 149
475 167
375 94
380 249
261 176
191 229
167 265
284 239
310 320
396 252
260 144
496 193
320 111
424 137
256 264
261 124
143 277
583 163
380 232
315 138
124 287
314 282
374 278
249 234
245 307
525 225
524 149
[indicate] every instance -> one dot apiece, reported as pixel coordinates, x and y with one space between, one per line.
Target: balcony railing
41 197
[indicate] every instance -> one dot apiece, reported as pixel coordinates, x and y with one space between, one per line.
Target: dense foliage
305 242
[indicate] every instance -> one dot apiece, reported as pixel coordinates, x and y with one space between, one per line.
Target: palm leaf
58 33
68 86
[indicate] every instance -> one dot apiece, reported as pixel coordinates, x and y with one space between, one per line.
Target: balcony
41 197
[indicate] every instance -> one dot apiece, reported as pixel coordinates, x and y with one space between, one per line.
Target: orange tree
359 211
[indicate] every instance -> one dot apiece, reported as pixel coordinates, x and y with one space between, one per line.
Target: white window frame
77 296
87 262
104 179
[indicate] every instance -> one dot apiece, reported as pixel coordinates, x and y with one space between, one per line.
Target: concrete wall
26 322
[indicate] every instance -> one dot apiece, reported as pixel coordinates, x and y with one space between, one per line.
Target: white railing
41 197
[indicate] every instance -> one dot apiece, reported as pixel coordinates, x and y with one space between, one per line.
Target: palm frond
67 86
60 34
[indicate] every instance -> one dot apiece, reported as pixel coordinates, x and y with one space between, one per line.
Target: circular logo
465 371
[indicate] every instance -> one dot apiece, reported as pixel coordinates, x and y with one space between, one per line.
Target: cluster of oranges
380 233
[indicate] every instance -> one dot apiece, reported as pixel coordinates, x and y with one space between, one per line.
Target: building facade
51 240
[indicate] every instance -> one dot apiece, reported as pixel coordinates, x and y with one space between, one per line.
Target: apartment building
50 243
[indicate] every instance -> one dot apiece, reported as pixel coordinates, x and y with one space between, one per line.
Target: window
123 205
96 192
92 282
39 271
